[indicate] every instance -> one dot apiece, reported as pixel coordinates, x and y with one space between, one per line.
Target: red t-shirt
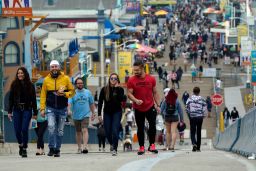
142 90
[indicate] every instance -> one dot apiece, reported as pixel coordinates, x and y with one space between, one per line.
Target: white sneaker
79 151
252 157
114 153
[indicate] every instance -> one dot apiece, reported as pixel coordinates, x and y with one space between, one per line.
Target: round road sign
217 99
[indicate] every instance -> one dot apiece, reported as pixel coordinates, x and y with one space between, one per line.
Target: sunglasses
113 79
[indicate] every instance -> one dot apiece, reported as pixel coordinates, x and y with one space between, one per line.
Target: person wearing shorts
171 120
81 106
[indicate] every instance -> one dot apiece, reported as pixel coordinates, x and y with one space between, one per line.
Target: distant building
66 13
13 49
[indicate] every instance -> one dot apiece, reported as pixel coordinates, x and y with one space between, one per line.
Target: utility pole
27 47
101 45
1 88
116 57
102 70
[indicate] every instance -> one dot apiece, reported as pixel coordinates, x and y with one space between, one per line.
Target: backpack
170 110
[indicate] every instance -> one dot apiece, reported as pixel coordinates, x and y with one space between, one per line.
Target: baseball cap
54 62
166 90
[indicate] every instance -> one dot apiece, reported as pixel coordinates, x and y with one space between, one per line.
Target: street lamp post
102 36
116 57
232 8
102 73
1 88
248 35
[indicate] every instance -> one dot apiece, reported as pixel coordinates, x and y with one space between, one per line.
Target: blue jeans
21 120
56 123
112 127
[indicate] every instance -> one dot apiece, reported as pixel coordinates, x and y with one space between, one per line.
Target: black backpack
170 109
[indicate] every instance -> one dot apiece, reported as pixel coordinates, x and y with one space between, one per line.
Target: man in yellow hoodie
56 90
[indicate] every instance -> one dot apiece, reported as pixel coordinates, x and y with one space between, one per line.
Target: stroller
160 130
181 128
127 142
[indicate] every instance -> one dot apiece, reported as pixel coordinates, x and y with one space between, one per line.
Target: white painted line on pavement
248 165
146 164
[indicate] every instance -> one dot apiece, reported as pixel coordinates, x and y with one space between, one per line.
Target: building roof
50 44
73 4
65 35
40 33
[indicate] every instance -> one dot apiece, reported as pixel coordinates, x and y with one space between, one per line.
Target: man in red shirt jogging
142 91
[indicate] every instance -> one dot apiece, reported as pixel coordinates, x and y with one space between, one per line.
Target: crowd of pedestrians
59 98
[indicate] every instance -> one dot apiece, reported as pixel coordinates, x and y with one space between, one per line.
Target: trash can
50 2
218 72
248 85
95 57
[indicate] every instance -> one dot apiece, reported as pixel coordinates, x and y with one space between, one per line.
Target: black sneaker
111 148
181 142
194 148
24 153
20 150
85 151
51 152
57 153
172 149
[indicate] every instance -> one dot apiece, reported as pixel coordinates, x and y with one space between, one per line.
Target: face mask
55 74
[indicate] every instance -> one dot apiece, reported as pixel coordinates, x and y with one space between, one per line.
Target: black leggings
40 130
102 140
140 121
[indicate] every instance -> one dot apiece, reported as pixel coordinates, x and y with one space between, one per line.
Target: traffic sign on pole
217 99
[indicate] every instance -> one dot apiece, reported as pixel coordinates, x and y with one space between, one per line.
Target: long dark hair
16 83
171 97
107 87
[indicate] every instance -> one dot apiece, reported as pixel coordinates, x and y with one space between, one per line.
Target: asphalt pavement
183 159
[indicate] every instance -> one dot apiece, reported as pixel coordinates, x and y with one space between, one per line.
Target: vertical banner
245 51
141 7
124 64
222 4
242 30
11 8
0 7
35 52
132 6
253 62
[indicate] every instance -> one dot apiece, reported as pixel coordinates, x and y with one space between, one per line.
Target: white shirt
130 116
218 83
107 61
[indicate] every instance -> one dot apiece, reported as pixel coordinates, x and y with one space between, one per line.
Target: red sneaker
141 150
153 149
